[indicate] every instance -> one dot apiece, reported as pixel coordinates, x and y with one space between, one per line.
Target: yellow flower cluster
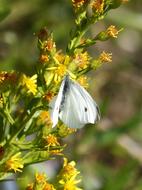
44 118
98 6
51 140
68 176
82 60
30 83
40 183
15 163
66 180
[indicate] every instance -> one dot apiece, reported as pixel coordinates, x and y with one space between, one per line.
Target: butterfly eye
85 109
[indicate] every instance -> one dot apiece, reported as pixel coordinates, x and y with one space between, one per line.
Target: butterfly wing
55 105
79 108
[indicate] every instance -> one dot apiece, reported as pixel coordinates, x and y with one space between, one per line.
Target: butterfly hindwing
79 108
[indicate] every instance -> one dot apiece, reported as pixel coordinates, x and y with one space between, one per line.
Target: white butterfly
73 105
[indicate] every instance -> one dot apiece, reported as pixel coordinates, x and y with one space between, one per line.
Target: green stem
24 122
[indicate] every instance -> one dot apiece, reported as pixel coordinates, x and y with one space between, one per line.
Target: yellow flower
82 60
82 80
112 31
51 140
40 183
15 163
30 83
49 96
45 118
79 3
40 178
105 57
68 176
59 72
49 45
68 170
60 57
98 6
70 184
43 58
48 186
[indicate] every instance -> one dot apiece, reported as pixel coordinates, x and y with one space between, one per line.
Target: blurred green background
109 155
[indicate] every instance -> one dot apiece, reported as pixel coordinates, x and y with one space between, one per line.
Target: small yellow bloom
15 163
112 31
48 186
82 60
98 6
69 169
82 80
68 176
30 83
70 184
51 140
43 58
60 57
79 3
45 118
49 96
105 57
40 178
49 45
59 72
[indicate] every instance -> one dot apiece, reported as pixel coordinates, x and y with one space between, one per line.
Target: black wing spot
85 109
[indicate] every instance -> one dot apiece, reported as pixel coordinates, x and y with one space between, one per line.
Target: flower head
98 6
43 58
51 140
68 176
40 178
30 83
105 57
45 118
15 163
82 60
49 96
58 71
48 186
112 31
83 81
